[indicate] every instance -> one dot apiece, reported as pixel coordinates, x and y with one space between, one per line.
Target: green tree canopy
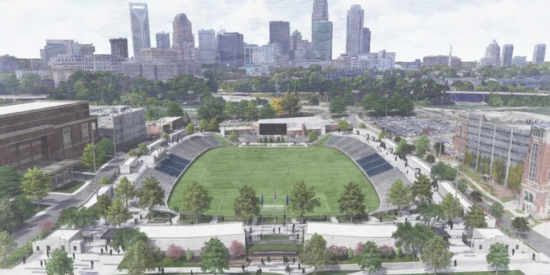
118 214
451 206
60 263
105 149
302 198
7 245
174 110
138 258
430 210
215 257
247 204
150 193
436 254
337 105
290 103
126 236
343 125
125 190
190 129
10 182
422 145
422 188
352 200
7 215
370 257
233 136
78 218
35 184
399 195
251 112
196 199
439 147
103 205
267 112
498 257
229 111
313 135
315 253
475 218
88 156
520 224
443 171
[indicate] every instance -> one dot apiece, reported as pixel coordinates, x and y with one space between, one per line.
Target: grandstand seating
178 160
381 173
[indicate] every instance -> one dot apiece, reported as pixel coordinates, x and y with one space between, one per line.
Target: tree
475 218
174 252
337 105
132 153
520 224
276 103
60 263
10 182
46 225
7 217
495 100
150 193
22 208
302 198
78 218
213 125
314 253
497 210
370 257
443 171
439 147
196 199
240 111
436 254
138 258
233 136
251 112
290 103
103 205
125 190
267 112
174 110
313 135
314 101
229 110
247 204
103 181
413 238
88 156
188 255
118 213
126 236
186 118
237 249
498 257
352 200
35 184
142 149
215 257
430 159
400 195
422 188
462 185
476 196
343 125
451 206
190 129
403 148
103 148
422 145
7 245
212 107
431 210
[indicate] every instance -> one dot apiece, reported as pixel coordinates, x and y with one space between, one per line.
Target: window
63 247
480 247
85 136
38 248
48 248
67 137
530 197
533 162
517 246
74 248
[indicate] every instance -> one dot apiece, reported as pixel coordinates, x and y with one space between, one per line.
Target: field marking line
217 152
325 197
220 207
339 166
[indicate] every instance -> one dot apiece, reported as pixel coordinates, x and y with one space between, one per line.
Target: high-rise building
183 33
519 61
441 60
83 48
55 47
164 55
279 32
250 53
365 45
320 12
507 54
163 40
539 53
295 41
267 55
119 47
492 55
139 19
322 40
354 30
207 46
230 48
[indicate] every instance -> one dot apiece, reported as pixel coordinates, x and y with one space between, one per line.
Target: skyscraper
55 47
354 30
322 40
507 54
365 45
207 46
539 53
119 47
139 19
230 48
163 40
295 42
320 12
492 55
183 34
279 32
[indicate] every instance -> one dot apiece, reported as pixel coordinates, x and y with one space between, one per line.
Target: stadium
272 170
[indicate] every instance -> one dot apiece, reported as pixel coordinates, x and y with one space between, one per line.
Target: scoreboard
273 129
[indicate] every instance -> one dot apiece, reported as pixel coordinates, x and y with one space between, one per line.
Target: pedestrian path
214 220
334 220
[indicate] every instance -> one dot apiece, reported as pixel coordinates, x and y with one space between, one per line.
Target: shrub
358 248
400 252
462 186
387 252
174 252
362 125
189 255
132 153
313 136
278 139
236 249
397 139
350 253
338 252
104 181
46 225
234 137
430 159
158 255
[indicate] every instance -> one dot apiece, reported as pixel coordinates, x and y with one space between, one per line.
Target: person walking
111 252
92 263
101 251
513 251
533 256
242 266
24 260
455 263
41 263
74 257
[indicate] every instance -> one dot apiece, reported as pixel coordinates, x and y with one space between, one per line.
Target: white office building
122 125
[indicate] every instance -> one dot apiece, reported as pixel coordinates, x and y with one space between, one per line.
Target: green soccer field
223 170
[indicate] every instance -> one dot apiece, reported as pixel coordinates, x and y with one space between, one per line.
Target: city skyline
410 30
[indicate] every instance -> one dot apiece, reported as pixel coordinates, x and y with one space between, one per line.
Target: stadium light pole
386 121
95 169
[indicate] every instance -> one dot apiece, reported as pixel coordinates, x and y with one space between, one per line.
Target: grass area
275 237
268 95
323 140
512 272
405 258
16 257
273 247
167 262
70 187
223 141
224 170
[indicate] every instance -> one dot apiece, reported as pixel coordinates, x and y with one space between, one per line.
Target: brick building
34 132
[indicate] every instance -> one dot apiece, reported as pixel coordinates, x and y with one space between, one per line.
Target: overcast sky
411 28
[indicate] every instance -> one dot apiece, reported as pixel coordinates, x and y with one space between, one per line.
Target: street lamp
386 121
93 150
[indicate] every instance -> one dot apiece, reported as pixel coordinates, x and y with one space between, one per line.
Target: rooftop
351 230
64 234
33 106
489 233
192 231
295 123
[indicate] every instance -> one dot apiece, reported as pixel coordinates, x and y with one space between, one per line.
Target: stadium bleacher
381 173
178 160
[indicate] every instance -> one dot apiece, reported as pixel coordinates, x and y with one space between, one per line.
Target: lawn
70 187
273 247
513 272
16 256
273 171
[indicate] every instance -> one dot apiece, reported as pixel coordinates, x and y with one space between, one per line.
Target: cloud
412 29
